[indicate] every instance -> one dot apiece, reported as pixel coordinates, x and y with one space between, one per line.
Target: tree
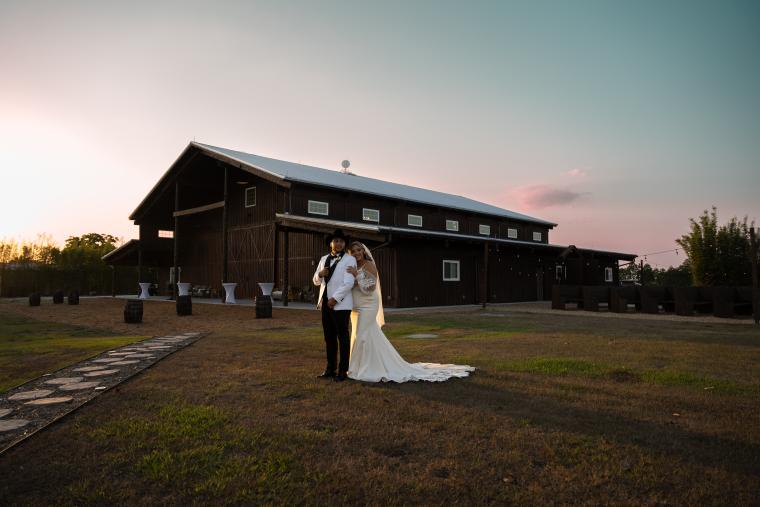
717 254
82 259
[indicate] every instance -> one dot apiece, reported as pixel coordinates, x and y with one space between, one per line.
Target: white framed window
452 225
607 274
450 271
559 272
250 197
537 236
414 220
319 208
370 215
485 230
165 234
512 233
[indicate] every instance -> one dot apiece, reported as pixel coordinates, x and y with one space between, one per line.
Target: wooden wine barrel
184 305
263 307
34 299
133 311
74 297
58 297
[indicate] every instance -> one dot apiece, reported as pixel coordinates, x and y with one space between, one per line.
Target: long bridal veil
380 313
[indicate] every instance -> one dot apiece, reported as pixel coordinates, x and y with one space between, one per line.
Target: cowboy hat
337 234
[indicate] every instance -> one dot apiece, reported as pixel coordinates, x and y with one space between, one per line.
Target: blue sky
618 120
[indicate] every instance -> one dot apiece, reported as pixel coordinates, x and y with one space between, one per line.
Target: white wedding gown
373 358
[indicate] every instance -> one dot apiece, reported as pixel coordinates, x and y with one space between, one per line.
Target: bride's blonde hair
360 245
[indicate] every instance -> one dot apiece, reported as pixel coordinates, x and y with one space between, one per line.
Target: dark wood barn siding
268 200
250 260
420 273
385 259
200 249
304 251
518 275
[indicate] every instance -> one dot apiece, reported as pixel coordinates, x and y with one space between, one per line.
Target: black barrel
184 305
34 299
263 307
133 311
58 297
74 297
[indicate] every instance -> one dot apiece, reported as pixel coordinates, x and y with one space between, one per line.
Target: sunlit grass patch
201 450
30 348
688 379
555 366
585 368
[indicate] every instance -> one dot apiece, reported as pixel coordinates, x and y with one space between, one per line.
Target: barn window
536 236
165 234
452 225
370 215
512 233
485 230
559 272
250 197
450 271
414 220
319 208
607 274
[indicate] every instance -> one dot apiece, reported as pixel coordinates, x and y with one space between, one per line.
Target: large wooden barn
219 215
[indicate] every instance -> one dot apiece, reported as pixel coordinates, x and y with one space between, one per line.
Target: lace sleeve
366 282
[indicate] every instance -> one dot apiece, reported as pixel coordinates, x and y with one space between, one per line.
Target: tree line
715 255
41 266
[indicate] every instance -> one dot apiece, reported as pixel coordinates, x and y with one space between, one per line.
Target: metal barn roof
290 171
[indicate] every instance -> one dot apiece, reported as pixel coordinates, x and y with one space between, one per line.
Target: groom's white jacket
340 284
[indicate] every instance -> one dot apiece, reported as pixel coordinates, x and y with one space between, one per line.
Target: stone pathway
28 408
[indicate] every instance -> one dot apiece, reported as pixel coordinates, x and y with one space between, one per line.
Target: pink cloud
545 196
576 173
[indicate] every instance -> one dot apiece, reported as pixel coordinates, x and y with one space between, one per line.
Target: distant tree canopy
86 251
41 265
718 255
672 277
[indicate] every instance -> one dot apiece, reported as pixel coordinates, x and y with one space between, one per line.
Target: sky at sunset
617 120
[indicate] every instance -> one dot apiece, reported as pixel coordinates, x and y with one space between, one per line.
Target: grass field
562 409
30 348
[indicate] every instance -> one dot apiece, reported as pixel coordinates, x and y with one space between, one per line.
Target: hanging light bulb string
644 256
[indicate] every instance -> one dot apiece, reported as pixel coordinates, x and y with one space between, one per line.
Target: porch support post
484 284
275 267
176 241
286 261
224 228
139 262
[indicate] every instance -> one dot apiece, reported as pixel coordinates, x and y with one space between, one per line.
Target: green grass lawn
563 409
30 348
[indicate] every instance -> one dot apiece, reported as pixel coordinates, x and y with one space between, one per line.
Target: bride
373 358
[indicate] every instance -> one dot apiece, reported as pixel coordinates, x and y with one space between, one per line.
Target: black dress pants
336 325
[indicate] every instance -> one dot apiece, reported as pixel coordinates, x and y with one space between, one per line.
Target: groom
335 284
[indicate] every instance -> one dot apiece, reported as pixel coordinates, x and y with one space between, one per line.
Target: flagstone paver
93 368
30 395
101 373
76 386
43 400
63 380
12 424
49 401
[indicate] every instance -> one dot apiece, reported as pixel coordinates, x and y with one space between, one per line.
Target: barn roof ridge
302 173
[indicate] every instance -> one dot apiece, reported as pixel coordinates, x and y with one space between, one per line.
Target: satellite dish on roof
345 164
